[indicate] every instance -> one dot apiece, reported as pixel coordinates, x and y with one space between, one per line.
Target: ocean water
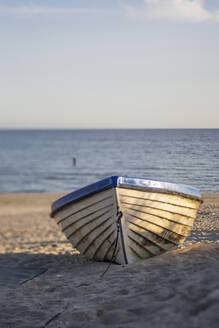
42 160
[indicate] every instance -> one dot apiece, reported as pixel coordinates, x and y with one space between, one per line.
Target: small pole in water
74 161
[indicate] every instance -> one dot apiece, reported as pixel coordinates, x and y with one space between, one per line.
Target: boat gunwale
116 182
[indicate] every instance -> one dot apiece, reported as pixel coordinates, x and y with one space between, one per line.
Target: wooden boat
127 219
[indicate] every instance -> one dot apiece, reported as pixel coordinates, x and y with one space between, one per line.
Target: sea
65 160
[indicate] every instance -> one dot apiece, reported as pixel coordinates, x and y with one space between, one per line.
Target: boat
124 219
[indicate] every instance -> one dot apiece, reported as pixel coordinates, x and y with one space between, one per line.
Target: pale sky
109 64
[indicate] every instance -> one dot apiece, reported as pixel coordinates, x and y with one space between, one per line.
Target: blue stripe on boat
119 181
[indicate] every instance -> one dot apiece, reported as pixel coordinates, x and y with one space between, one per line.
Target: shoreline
48 284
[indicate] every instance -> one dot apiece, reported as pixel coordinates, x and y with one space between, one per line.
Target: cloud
169 10
39 10
173 10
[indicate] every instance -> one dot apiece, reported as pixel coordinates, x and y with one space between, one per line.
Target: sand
179 288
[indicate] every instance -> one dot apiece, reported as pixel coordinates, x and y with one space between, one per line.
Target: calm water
41 161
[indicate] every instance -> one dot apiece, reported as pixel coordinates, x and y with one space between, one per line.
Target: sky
109 64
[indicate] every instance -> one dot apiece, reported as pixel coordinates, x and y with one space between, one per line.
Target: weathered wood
91 227
177 218
151 223
148 242
87 214
169 225
156 230
83 204
161 197
135 200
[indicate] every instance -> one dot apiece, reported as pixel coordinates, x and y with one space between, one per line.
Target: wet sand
179 288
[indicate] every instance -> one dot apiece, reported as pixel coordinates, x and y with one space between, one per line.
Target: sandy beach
44 282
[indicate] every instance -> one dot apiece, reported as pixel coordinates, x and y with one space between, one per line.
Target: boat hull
150 223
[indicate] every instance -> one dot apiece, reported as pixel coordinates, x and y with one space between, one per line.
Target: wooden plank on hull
155 230
137 255
163 223
105 244
83 237
85 225
177 218
99 238
151 248
119 258
168 198
87 242
158 205
75 207
150 239
85 215
144 252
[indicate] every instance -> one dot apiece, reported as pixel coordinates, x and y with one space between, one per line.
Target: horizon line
77 129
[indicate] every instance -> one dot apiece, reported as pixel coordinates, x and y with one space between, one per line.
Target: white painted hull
152 223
